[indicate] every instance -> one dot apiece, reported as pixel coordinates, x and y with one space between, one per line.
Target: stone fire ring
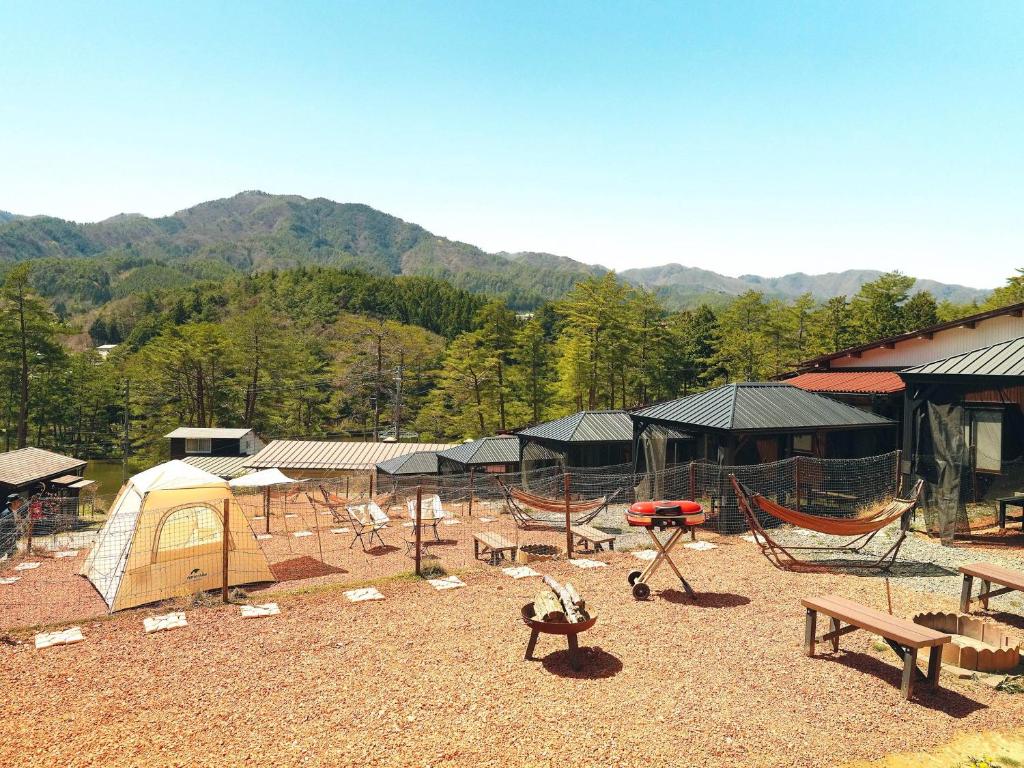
978 644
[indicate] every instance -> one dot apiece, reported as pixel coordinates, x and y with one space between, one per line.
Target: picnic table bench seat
493 544
989 574
904 637
593 537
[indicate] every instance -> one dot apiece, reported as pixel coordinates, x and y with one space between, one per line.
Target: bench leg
986 587
909 672
476 549
934 665
834 627
965 594
530 646
810 629
1002 514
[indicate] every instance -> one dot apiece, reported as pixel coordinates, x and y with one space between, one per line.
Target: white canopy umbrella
261 479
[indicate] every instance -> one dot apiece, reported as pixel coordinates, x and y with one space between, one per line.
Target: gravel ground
432 678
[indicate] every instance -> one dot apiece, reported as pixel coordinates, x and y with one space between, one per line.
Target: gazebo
584 439
496 455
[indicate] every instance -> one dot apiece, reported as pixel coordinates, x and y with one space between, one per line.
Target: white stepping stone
408 525
259 517
585 563
487 519
302 534
448 582
66 553
9 579
26 566
645 554
65 637
291 514
364 594
450 521
264 536
520 572
700 546
260 611
339 530
163 623
751 538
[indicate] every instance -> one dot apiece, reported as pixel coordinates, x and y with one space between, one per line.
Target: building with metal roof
963 430
498 454
213 441
227 467
584 439
410 464
325 458
756 422
31 470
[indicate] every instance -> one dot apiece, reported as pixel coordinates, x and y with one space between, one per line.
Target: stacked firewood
559 604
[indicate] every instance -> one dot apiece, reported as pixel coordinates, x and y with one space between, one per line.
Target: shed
30 471
758 422
213 441
963 428
584 439
496 455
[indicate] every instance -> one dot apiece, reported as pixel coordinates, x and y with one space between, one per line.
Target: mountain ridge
255 230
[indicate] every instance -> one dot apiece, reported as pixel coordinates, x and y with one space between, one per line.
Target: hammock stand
863 529
523 506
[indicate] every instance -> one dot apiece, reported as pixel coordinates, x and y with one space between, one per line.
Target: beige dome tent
164 538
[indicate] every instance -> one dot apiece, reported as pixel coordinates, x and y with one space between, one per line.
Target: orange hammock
863 529
520 502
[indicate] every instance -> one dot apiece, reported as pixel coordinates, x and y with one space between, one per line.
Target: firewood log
546 607
572 613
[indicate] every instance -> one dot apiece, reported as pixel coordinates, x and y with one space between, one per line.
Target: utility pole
125 442
398 396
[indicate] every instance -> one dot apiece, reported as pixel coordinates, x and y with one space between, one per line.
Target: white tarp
261 479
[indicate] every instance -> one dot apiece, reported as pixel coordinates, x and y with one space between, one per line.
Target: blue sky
741 137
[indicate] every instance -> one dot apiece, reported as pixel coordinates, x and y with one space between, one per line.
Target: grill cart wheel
633 576
641 591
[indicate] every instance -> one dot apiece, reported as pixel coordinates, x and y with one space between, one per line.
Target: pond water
107 474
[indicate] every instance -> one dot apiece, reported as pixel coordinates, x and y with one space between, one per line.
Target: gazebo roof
418 463
585 427
499 449
759 406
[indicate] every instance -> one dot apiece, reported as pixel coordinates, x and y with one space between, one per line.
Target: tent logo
197 573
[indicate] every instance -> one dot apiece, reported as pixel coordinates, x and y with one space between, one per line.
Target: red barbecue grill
681 516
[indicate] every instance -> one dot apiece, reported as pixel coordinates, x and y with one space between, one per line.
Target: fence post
796 481
693 482
347 497
266 507
899 470
224 550
567 478
471 490
419 530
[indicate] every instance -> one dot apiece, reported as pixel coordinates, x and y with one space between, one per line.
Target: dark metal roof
585 427
500 449
1003 359
29 465
971 320
419 463
756 406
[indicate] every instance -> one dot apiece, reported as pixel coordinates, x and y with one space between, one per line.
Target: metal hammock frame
518 503
863 529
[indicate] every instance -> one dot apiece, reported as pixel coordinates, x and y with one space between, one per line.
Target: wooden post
266 507
471 490
225 546
693 481
567 478
371 485
419 530
347 497
899 474
796 481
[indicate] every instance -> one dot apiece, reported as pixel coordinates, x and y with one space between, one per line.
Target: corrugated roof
753 406
333 455
418 463
1003 359
28 465
852 382
499 449
228 467
193 433
585 427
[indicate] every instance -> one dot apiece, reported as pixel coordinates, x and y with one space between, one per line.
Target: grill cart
677 516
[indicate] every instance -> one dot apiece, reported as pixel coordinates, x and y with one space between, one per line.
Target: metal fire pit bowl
567 630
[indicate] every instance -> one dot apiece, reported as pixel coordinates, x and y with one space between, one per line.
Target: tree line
314 352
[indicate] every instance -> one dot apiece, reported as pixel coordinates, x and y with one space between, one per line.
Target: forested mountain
87 265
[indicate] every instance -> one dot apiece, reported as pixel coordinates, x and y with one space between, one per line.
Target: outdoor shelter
409 465
164 538
756 423
495 455
963 430
584 439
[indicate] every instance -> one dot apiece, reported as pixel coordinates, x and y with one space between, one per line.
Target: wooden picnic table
1015 501
989 574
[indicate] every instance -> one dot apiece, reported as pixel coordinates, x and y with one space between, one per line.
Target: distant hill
255 231
6 216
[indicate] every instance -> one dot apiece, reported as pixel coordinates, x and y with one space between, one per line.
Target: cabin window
189 527
983 434
197 445
803 443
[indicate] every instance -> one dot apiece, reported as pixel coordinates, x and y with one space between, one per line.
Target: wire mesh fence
63 563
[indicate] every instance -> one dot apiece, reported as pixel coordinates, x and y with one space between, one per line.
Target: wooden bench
493 544
592 537
1010 581
903 636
